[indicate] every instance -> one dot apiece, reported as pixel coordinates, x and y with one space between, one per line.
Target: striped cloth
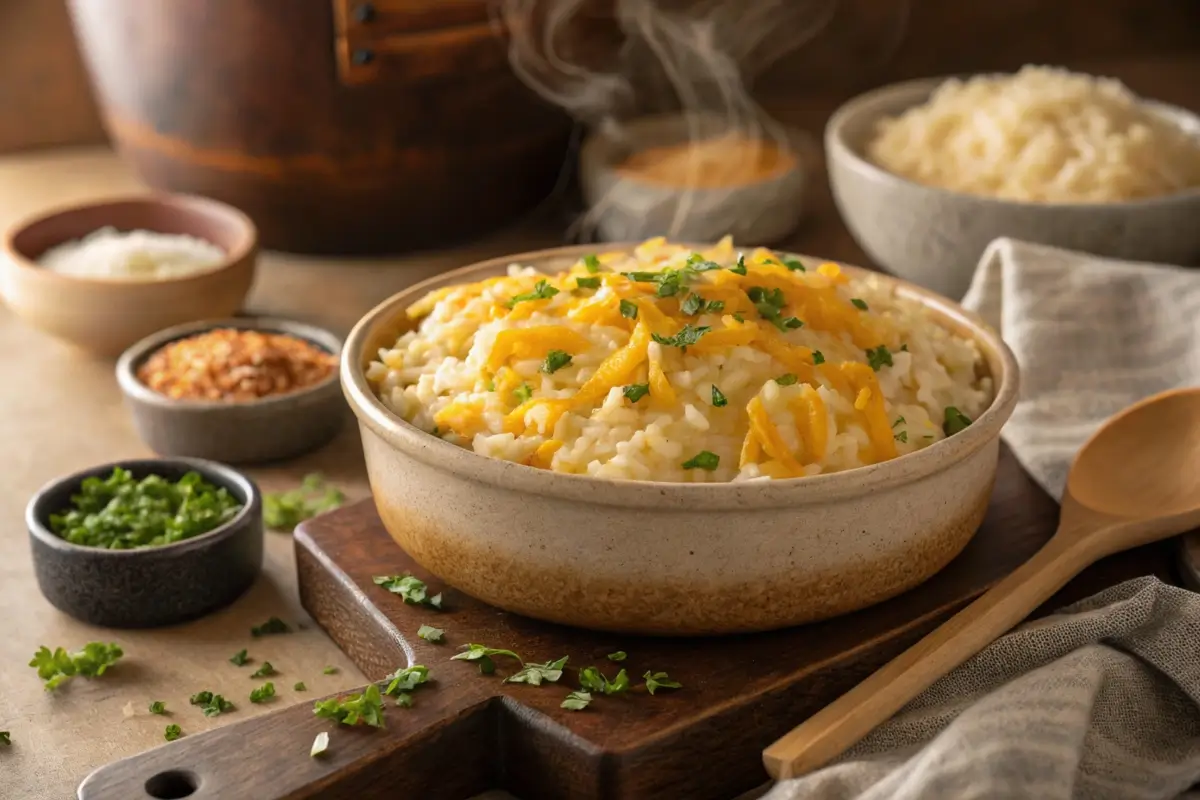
1100 701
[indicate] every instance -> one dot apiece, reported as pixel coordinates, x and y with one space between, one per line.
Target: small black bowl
151 586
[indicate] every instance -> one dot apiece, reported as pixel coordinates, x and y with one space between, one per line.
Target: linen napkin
1102 700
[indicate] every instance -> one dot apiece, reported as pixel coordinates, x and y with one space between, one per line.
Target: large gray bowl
934 237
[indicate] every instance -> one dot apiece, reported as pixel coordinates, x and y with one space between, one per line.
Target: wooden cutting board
467 732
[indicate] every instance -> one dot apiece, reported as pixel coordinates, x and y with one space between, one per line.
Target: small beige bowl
105 316
672 558
624 208
934 237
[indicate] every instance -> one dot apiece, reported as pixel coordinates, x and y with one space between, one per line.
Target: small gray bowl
152 586
256 431
934 237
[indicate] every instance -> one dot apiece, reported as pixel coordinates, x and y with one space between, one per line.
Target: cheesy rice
669 365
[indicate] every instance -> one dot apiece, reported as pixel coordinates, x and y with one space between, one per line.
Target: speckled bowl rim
135 354
215 472
858 108
196 204
816 489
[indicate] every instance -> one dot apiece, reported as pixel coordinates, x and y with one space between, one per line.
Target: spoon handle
841 724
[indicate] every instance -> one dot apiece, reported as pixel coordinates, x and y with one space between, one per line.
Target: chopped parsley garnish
299 686
904 348
431 634
794 265
787 379
591 263
285 510
522 393
629 309
201 698
593 681
899 421
740 266
636 391
587 283
263 693
534 674
739 317
701 264
320 744
879 358
687 336
555 360
272 626
695 304
266 670
411 589
482 654
158 707
659 680
901 437
719 400
6 738
703 460
211 704
121 513
404 700
818 357
617 656
329 671
239 658
354 709
955 421
770 303
172 732
405 680
577 701
859 304
542 290
59 666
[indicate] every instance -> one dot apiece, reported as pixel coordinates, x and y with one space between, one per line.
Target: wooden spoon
1136 481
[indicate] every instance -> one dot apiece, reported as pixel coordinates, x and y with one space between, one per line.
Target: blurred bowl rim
836 147
245 248
133 356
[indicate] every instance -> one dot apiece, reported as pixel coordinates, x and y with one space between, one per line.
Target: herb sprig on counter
410 589
534 674
283 511
58 666
481 654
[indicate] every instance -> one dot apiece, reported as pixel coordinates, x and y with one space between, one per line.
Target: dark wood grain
470 732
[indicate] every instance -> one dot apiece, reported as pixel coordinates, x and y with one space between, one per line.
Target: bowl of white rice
927 173
677 440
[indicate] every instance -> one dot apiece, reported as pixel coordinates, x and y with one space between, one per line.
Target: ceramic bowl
153 586
626 209
257 431
673 558
104 316
934 237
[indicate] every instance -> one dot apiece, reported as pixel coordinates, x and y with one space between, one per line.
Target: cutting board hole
172 785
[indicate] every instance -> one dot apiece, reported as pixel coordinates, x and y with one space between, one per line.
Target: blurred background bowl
106 315
934 237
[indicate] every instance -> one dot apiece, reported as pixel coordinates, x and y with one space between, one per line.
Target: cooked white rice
866 377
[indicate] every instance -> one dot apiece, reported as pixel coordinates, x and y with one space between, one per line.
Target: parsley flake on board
263 693
787 379
266 670
703 460
629 309
534 674
272 626
320 744
482 655
6 738
354 709
818 357
719 400
299 686
555 360
214 704
577 701
587 283
859 304
172 732
636 391
431 634
239 658
405 680
593 681
329 671
591 263
617 656
542 290
158 707
879 358
687 336
404 700
659 680
409 588
59 666
794 265
522 393
201 698
955 421
283 511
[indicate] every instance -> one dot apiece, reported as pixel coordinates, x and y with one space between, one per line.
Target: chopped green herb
687 336
787 379
534 674
902 437
719 400
699 263
404 700
739 318
329 671
818 357
216 705
703 460
299 686
59 666
320 744
770 304
201 698
542 290
629 309
794 265
263 693
272 626
576 701
122 513
172 732
555 360
587 283
592 680
411 589
431 634
158 707
482 654
239 658
859 304
405 680
265 671
490 386
355 709
904 348
740 266
6 738
927 436
591 263
283 511
522 393
899 421
659 680
691 304
636 391
879 358
617 656
955 421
